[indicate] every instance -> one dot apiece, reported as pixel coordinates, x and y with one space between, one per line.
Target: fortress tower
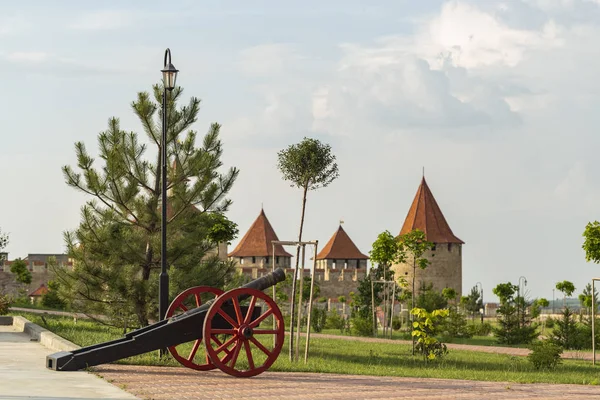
340 265
445 268
255 250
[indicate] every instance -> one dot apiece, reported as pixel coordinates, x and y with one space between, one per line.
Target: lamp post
521 278
482 305
169 76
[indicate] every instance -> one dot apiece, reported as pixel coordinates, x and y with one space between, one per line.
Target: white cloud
28 57
267 60
103 20
11 25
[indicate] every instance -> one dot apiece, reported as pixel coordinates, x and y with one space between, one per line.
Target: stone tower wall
444 271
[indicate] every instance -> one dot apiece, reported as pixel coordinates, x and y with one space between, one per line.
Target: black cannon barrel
261 284
176 330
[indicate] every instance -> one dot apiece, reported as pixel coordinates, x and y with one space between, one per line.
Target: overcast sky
497 100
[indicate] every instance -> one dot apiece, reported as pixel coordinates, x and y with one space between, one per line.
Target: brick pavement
182 383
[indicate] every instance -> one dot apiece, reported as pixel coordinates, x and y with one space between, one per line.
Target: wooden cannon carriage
228 327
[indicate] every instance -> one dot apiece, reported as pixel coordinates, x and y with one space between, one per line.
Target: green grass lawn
343 357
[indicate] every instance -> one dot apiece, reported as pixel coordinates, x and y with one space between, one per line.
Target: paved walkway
24 376
182 383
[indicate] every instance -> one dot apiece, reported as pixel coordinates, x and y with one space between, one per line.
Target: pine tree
511 330
116 248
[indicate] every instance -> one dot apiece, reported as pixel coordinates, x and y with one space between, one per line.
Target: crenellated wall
332 282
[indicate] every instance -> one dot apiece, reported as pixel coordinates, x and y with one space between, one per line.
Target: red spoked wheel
245 349
187 300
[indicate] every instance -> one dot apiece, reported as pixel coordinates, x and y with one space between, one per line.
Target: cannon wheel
244 335
177 306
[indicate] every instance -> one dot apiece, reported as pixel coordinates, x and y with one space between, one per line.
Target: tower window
345 264
449 246
433 247
266 260
242 260
253 260
277 260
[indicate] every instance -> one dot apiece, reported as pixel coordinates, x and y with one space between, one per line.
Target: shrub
549 322
51 298
545 354
318 319
456 325
334 320
362 326
566 333
396 323
424 327
481 329
4 304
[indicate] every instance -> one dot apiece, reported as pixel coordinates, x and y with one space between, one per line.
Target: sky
497 100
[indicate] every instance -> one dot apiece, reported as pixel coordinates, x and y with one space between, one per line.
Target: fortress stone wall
444 271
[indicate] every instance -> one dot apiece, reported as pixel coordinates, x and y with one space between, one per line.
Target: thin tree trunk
293 305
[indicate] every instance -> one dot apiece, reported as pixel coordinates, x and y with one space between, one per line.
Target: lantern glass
169 76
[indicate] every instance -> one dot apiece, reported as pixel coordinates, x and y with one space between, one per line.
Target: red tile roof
425 215
257 241
42 290
340 246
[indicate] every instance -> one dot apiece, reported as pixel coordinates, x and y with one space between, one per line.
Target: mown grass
363 358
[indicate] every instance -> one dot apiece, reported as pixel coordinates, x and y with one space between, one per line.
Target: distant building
37 264
254 253
445 269
339 265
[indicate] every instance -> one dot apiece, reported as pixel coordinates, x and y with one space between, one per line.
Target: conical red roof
425 215
257 241
42 290
340 246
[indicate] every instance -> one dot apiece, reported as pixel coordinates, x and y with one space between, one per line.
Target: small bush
480 329
545 355
455 326
4 304
318 319
396 323
335 321
362 326
549 322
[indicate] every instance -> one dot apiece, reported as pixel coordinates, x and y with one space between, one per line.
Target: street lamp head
169 72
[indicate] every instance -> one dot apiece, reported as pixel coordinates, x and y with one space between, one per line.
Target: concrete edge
6 320
44 336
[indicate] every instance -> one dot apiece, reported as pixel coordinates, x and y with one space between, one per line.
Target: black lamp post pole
169 77
164 276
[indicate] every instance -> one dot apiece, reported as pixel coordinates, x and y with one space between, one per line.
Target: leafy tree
426 325
22 274
511 330
567 288
308 165
116 248
585 298
591 244
537 305
429 298
415 244
449 294
473 302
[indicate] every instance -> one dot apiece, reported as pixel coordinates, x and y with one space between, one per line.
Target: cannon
228 325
